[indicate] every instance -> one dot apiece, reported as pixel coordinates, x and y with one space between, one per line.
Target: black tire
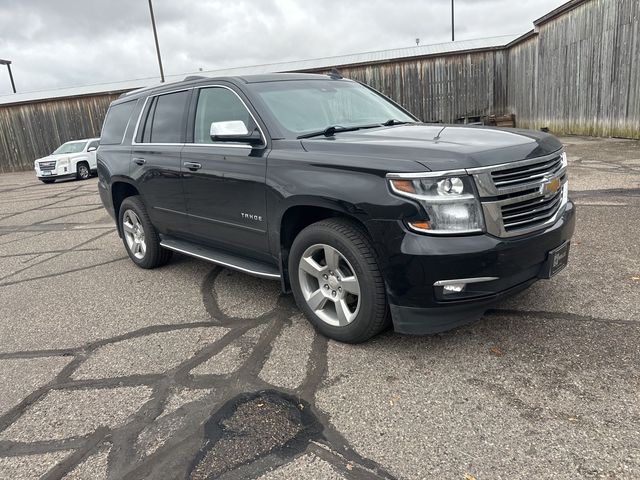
47 180
155 255
83 172
352 242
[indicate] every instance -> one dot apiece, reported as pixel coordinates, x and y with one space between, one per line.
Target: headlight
63 161
449 201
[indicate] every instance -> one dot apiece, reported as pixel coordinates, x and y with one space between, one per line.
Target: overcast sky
62 43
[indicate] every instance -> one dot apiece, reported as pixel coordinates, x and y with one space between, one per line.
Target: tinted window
218 105
116 123
165 118
93 144
69 147
303 106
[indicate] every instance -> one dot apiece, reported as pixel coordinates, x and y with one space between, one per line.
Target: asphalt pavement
194 371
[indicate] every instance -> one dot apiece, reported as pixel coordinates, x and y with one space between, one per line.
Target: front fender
361 195
73 162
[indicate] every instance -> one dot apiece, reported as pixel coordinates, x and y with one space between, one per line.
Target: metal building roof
293 66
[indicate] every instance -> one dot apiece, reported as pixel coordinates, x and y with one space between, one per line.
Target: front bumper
60 171
56 177
412 263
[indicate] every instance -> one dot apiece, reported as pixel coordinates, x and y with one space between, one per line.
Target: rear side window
165 119
116 123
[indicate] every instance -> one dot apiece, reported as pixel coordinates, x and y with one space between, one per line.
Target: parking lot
195 371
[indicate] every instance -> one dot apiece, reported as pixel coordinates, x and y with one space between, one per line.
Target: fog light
454 288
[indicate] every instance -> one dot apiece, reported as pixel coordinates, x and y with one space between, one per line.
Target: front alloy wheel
336 281
83 171
329 284
134 234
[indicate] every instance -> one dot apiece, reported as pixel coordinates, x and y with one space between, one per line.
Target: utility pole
8 64
453 30
155 36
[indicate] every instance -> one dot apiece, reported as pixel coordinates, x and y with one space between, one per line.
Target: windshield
306 106
70 147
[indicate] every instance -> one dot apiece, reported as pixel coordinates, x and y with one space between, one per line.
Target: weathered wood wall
522 81
33 130
581 73
440 89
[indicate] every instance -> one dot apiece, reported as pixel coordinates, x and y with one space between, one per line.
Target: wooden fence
441 88
578 72
33 130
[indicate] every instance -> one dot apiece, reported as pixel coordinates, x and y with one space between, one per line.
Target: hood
439 147
59 156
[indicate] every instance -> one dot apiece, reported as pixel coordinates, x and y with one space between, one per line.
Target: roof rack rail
194 77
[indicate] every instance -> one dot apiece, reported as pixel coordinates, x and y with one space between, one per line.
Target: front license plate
558 259
44 174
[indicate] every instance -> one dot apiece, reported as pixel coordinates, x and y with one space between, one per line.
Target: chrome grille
521 197
530 212
50 165
526 174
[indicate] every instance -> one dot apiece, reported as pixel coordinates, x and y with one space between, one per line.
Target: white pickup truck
72 159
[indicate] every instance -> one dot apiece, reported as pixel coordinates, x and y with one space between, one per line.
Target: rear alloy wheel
134 234
139 236
334 275
83 172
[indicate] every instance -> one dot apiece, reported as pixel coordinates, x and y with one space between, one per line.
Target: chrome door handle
193 166
139 161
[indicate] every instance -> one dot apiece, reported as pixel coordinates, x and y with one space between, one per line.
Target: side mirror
233 131
92 149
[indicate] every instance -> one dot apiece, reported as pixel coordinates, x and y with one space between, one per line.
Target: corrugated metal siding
585 68
33 130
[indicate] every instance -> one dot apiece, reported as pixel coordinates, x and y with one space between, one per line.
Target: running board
219 257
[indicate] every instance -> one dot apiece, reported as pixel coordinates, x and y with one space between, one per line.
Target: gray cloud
62 43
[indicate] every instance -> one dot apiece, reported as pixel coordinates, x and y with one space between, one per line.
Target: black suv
365 213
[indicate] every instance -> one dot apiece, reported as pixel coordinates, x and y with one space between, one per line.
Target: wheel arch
298 216
121 189
76 160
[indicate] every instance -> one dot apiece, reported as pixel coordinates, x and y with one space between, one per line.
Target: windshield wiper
333 129
328 132
393 121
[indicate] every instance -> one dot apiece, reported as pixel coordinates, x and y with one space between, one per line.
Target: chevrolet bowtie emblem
550 186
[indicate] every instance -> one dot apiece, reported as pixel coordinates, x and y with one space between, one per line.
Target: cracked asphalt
194 371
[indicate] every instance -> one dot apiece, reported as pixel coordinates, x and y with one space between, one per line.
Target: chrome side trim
218 144
519 163
443 173
219 262
442 283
